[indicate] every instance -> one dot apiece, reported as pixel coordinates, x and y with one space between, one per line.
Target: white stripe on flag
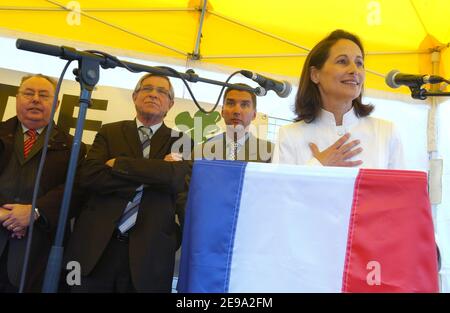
292 229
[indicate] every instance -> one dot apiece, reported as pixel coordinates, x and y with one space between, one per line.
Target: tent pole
432 145
113 10
435 163
432 142
196 54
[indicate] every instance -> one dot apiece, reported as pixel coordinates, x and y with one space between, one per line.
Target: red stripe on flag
391 245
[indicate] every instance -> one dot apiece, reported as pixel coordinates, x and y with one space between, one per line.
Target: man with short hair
237 142
21 142
125 239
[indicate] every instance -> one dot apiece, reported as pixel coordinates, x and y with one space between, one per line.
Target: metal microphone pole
88 76
68 53
422 93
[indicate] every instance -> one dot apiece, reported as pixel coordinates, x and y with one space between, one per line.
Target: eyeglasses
160 90
30 95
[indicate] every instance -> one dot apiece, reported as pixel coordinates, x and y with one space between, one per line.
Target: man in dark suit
21 141
237 142
125 239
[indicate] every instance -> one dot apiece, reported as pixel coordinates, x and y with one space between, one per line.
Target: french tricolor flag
253 227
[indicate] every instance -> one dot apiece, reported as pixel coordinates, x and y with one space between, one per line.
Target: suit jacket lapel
39 143
132 137
18 144
251 154
159 142
37 146
224 146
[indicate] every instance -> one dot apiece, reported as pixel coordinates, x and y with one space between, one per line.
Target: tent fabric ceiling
264 36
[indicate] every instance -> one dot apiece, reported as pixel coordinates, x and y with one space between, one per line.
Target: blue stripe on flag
205 259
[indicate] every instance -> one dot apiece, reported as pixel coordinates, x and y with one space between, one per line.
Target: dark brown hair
308 102
252 94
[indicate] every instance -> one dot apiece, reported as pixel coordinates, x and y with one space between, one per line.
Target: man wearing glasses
21 142
125 239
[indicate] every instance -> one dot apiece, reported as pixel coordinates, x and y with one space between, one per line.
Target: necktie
29 142
145 139
233 150
129 215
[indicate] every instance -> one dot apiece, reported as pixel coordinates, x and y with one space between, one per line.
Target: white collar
327 118
154 128
240 141
25 129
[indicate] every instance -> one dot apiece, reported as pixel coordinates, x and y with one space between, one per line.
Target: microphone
39 47
283 88
395 79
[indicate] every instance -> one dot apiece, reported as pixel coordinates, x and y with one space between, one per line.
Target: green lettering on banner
185 121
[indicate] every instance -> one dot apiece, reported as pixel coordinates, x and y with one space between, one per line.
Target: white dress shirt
381 144
229 141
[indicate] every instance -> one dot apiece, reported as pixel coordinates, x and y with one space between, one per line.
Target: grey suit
254 149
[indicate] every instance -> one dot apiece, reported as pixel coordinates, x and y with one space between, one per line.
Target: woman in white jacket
333 126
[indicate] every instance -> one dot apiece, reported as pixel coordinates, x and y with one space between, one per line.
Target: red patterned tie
29 142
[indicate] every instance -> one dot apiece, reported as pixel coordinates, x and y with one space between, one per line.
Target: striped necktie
129 215
29 142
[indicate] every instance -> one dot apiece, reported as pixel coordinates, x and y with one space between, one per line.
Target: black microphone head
38 47
287 88
434 79
260 91
390 79
246 73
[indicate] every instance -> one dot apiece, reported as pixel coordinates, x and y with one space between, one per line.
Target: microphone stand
106 62
422 93
88 74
